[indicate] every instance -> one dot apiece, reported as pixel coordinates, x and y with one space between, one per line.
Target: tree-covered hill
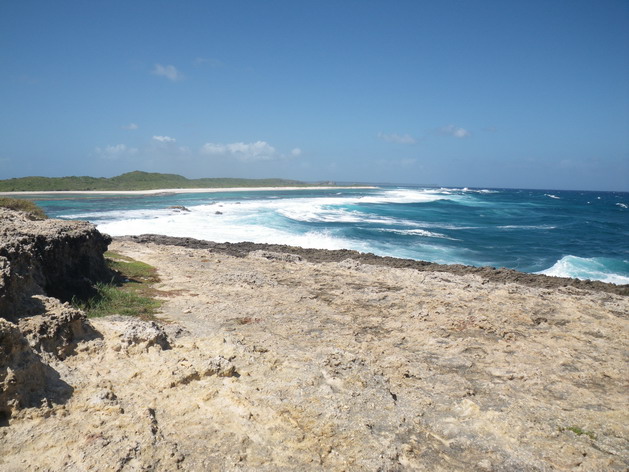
136 180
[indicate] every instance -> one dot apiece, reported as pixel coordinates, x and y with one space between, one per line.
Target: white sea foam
418 232
595 268
411 196
354 220
247 221
526 227
550 195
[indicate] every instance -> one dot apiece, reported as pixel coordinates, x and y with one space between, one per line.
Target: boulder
61 259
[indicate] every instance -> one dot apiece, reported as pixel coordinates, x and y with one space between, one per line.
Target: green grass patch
130 292
33 211
579 431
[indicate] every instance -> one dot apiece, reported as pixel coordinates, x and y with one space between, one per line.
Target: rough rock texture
57 329
286 364
21 372
40 260
56 258
323 255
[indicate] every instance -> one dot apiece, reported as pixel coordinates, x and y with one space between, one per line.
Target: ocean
561 233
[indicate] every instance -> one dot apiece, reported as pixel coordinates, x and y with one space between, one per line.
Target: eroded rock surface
41 260
285 364
288 360
56 258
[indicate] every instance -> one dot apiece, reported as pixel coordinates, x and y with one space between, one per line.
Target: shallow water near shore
562 233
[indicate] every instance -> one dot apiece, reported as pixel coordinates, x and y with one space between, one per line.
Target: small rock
275 256
138 332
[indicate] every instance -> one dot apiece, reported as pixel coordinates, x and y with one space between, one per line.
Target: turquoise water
563 233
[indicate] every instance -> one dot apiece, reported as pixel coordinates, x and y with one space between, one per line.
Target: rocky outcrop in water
43 264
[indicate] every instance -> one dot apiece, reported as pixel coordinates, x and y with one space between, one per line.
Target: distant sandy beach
176 190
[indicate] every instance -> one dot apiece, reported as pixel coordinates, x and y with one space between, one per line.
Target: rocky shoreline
491 274
268 357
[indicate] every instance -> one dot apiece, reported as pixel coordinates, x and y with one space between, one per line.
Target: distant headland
140 181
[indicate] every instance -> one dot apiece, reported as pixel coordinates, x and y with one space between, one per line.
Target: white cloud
296 152
397 138
164 139
131 126
246 152
215 63
170 72
452 130
116 151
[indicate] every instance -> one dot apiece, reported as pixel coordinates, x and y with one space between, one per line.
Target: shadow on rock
26 381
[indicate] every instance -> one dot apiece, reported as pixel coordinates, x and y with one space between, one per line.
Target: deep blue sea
562 233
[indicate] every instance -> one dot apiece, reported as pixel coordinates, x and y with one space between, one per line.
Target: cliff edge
43 264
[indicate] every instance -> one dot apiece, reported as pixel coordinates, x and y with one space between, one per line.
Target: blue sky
526 94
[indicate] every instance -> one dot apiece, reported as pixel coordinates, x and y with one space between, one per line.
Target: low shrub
33 211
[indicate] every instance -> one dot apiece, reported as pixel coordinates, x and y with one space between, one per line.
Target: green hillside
136 180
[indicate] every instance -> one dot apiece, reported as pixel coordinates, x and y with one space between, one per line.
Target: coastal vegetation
129 293
30 208
579 431
136 180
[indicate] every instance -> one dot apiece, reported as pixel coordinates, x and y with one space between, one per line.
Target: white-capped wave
233 223
550 195
475 190
410 196
527 227
594 268
622 205
418 232
323 214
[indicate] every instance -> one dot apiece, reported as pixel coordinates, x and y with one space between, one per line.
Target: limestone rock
40 260
56 258
337 367
275 256
25 381
57 329
135 332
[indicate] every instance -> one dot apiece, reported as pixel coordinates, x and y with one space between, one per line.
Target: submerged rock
178 208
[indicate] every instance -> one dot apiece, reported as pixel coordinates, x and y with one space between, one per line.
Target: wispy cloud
204 61
131 126
455 131
397 138
245 152
296 152
164 139
27 79
170 72
403 163
116 151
